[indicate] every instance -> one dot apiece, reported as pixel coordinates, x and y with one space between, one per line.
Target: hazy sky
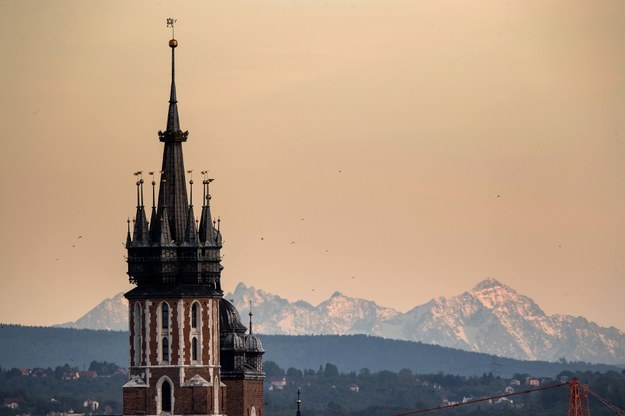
409 148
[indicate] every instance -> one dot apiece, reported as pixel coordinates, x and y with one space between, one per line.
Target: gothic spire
299 402
128 238
207 230
154 223
251 314
168 249
140 232
191 236
173 192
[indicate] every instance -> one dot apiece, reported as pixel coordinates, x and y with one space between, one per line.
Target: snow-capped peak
492 318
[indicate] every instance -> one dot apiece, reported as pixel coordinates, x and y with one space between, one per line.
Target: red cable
612 406
480 400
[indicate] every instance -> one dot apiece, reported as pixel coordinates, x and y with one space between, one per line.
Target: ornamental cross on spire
170 23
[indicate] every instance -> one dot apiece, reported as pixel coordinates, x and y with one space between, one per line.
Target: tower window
194 315
165 346
165 316
194 349
166 397
137 333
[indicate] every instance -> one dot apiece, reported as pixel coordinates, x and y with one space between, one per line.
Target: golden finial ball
173 43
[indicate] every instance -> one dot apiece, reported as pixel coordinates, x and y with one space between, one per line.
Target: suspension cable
449 406
612 406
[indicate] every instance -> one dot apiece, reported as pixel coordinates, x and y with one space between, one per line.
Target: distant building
277 383
12 402
91 404
68 413
189 352
71 375
531 381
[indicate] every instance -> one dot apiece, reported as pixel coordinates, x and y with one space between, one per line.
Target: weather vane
170 23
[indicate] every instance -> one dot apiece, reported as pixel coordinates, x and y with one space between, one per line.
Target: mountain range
491 318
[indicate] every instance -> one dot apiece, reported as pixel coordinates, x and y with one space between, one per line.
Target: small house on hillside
12 402
277 383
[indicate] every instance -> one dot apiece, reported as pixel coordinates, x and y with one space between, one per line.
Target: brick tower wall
243 395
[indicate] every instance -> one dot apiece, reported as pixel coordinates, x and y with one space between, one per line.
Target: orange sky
409 148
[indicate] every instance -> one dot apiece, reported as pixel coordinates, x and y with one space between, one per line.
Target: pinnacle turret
191 236
209 235
140 231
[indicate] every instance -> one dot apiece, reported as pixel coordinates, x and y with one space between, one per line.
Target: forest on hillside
31 347
324 391
328 392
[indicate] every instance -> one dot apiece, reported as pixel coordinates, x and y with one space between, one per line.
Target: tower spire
208 233
178 301
299 402
173 122
173 192
251 317
140 232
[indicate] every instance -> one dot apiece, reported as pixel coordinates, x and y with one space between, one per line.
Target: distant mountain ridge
491 318
110 314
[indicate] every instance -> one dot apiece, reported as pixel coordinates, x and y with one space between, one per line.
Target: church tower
177 308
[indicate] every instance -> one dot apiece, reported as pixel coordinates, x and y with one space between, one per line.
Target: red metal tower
578 399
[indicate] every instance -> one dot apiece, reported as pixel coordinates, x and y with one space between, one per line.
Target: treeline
65 388
30 347
43 347
353 352
326 391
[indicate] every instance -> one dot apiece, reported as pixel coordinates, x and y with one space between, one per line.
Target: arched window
137 316
194 315
165 349
165 316
194 349
166 397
